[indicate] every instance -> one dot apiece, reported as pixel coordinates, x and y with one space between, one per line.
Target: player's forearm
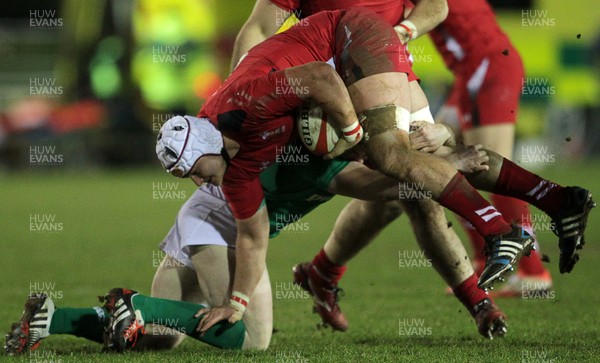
320 82
251 251
426 15
250 257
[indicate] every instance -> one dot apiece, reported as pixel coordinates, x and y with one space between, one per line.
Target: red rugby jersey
469 34
255 105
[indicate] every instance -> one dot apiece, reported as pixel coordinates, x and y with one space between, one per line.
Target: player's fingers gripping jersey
292 190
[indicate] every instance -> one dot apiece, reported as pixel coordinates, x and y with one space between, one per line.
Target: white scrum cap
183 139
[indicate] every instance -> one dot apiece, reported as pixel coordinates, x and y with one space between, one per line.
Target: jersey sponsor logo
271 133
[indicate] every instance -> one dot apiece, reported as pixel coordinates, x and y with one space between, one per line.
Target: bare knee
256 342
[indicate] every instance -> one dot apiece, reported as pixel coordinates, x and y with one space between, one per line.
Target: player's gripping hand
215 315
469 159
428 137
352 135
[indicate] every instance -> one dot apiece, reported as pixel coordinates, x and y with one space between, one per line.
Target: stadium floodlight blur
88 88
85 89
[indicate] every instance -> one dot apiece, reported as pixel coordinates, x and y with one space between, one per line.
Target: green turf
111 226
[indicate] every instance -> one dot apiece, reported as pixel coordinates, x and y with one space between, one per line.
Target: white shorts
205 219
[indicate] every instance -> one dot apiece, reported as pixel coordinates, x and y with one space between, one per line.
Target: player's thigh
497 103
390 88
215 266
174 281
370 62
497 99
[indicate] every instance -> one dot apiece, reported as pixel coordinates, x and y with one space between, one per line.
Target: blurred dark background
92 81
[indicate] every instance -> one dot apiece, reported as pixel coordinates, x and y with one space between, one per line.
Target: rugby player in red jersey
359 222
482 107
253 116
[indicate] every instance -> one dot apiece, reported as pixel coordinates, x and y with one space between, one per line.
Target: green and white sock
179 316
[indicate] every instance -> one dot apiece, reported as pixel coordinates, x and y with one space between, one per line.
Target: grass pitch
100 230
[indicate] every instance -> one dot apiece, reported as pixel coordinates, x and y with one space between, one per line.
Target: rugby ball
316 133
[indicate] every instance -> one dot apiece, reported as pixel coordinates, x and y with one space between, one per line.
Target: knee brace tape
378 120
423 114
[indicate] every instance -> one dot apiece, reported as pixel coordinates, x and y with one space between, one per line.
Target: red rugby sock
328 270
461 198
469 294
519 183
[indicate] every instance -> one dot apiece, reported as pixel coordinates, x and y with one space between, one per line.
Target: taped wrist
378 120
239 301
353 132
407 29
410 27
